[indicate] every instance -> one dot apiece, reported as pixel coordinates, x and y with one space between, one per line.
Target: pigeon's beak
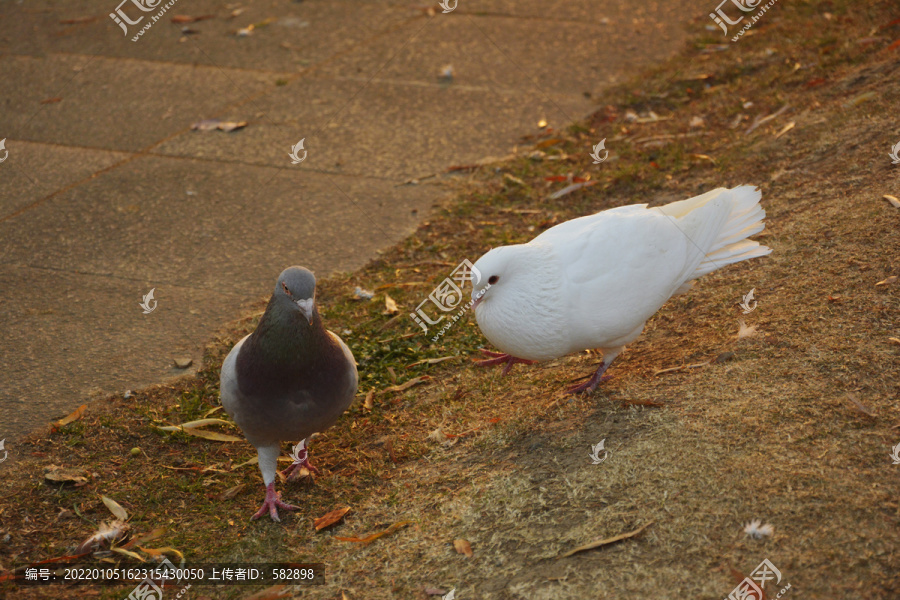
306 307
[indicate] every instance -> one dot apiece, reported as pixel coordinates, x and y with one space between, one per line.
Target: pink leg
593 382
499 358
271 504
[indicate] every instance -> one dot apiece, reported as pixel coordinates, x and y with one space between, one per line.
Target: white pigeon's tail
730 245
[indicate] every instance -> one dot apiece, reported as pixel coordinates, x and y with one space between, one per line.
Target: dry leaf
129 554
745 330
607 541
57 474
570 188
371 538
329 519
213 124
154 552
79 412
188 19
887 281
115 508
893 200
390 306
370 396
405 386
149 537
704 157
193 424
785 129
231 492
433 361
463 547
213 435
895 340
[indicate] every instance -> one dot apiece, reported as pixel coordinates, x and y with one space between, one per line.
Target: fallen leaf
893 200
58 474
570 188
154 552
231 492
785 129
148 537
368 404
405 386
213 124
51 100
463 547
189 19
860 99
433 361
79 412
371 538
893 46
548 143
115 508
194 424
745 330
895 340
129 554
888 281
213 435
329 519
607 541
390 306
704 157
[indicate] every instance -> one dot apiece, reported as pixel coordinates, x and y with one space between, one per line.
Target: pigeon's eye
493 279
285 288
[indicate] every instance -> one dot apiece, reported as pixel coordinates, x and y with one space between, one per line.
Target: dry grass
771 433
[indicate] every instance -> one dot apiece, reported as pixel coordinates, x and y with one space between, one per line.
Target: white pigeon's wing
621 266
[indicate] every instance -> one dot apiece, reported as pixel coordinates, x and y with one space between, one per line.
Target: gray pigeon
287 380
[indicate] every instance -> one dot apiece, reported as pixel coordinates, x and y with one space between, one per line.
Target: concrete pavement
107 192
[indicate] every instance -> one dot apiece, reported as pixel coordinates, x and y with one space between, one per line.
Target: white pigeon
592 282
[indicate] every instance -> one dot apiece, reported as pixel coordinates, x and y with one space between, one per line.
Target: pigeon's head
296 289
498 268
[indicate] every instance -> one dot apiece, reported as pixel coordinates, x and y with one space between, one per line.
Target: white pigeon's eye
493 279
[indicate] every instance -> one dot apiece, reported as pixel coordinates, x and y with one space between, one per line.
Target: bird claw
272 503
589 387
499 358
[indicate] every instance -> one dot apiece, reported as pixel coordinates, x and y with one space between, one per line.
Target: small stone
183 363
135 451
128 394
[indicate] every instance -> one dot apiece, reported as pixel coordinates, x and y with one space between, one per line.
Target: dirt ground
792 424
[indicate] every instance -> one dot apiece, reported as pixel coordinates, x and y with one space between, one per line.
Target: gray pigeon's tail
730 245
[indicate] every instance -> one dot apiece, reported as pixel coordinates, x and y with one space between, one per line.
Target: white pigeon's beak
306 307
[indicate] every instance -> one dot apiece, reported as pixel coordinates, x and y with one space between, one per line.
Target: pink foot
301 459
499 358
271 504
592 383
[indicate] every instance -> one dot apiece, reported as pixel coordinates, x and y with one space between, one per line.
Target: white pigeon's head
497 267
296 290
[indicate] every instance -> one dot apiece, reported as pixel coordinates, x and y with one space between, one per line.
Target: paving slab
179 221
113 104
392 130
33 171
